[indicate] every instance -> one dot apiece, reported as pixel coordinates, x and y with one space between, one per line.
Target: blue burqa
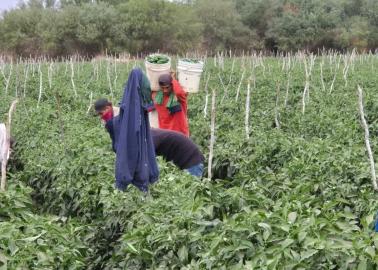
135 153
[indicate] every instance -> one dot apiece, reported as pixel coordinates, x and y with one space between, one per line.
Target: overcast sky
8 4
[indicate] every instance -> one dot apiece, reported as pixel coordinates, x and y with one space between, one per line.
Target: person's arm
179 91
110 130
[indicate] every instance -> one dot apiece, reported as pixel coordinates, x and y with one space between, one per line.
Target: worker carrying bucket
171 104
136 144
170 95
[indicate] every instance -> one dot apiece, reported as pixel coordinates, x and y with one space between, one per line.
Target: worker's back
176 147
172 145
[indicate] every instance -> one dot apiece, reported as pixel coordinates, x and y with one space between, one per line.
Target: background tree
95 27
150 25
90 27
19 31
222 26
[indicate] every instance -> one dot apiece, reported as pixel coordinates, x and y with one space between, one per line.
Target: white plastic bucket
189 75
154 120
153 72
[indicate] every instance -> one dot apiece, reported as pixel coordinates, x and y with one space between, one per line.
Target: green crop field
290 188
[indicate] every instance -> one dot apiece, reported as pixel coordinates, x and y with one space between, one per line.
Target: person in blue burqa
135 154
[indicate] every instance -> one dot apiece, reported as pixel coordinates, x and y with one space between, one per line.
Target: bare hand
173 74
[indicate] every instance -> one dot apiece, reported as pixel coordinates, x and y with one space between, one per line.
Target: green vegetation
295 194
45 27
157 59
191 60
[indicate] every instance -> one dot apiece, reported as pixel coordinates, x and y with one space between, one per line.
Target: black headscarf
165 79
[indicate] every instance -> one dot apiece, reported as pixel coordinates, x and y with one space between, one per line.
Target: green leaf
267 230
183 254
369 219
31 239
132 248
285 228
375 239
341 244
3 262
265 226
244 245
301 236
12 247
292 217
371 251
42 257
287 243
362 265
295 255
272 263
349 215
308 253
148 251
266 234
3 258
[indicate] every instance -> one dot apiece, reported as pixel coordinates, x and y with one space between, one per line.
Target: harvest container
154 70
189 75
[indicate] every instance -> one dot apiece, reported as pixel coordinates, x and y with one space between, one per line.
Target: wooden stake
108 76
367 141
90 102
26 77
276 109
247 108
116 75
287 89
40 84
72 77
50 73
206 97
7 80
321 75
307 85
333 82
240 83
212 134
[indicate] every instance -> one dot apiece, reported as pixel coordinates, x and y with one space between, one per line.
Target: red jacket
177 121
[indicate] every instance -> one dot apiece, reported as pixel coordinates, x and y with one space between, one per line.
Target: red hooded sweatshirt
177 121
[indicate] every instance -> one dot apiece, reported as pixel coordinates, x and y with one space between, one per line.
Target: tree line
89 27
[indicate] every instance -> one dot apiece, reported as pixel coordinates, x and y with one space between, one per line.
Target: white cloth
154 119
4 147
115 111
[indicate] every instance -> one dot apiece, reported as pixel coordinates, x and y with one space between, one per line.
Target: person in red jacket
171 105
